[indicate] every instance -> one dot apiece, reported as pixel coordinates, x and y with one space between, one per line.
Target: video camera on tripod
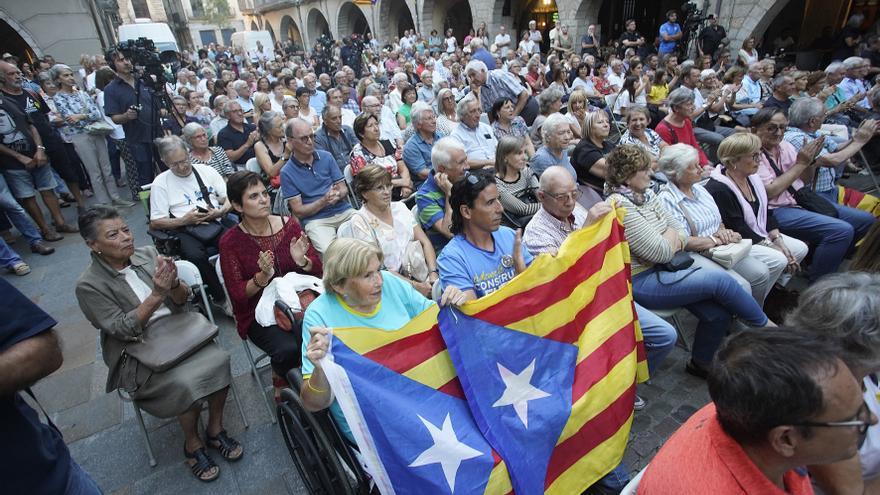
153 67
693 17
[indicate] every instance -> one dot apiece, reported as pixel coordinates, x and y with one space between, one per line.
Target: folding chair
253 165
672 314
252 362
349 183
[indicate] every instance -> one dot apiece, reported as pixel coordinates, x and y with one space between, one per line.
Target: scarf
759 224
628 193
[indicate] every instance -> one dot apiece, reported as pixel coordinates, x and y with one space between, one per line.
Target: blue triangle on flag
426 440
518 387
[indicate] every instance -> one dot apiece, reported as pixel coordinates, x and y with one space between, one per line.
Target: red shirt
700 458
683 134
239 253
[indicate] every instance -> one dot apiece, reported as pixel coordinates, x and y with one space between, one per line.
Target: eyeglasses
178 164
862 425
306 138
573 195
773 128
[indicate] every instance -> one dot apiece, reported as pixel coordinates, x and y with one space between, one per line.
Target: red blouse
239 253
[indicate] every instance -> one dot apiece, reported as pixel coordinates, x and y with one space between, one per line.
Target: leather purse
729 255
171 339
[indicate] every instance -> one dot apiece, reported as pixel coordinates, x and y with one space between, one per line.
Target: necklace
747 191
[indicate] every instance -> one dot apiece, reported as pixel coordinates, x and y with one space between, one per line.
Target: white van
247 41
158 32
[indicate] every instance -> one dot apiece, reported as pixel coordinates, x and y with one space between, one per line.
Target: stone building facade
304 20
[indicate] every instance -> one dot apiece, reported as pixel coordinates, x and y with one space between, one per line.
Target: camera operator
129 102
711 38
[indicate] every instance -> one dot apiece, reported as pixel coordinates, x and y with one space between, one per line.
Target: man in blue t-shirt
670 33
313 186
35 458
483 256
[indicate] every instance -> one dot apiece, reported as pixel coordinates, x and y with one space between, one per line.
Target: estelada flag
529 388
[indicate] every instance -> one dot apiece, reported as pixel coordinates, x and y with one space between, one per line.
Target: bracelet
309 384
304 263
258 284
715 240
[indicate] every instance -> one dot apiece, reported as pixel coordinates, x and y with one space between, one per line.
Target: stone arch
436 14
317 25
289 30
396 16
351 19
271 32
22 32
254 26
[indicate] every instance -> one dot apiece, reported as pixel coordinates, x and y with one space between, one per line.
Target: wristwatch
41 147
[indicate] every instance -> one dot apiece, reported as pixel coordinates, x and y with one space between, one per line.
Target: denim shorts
24 183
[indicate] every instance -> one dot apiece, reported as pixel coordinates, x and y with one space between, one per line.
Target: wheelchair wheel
312 453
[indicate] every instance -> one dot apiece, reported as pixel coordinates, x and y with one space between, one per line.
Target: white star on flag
447 450
519 391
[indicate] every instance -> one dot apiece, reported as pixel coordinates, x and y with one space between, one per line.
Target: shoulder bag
805 197
204 232
98 128
727 255
171 339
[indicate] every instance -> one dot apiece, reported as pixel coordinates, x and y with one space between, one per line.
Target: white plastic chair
253 166
672 315
253 362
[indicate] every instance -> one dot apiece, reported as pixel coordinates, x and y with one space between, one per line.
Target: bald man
559 215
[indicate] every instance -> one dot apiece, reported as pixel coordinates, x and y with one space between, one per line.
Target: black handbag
804 197
204 232
680 261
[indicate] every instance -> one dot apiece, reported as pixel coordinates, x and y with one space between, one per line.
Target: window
198 8
208 37
141 11
227 36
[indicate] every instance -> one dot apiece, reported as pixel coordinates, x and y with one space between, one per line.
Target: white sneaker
123 202
639 403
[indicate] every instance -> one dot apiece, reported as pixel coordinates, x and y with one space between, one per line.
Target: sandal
226 445
203 464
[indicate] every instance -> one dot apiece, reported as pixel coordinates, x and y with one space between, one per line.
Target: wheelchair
325 460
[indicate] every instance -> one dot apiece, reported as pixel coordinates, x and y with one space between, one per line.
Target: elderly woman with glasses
517 184
638 118
845 308
357 293
390 225
271 150
374 151
693 207
781 169
196 138
506 123
446 115
655 238
290 107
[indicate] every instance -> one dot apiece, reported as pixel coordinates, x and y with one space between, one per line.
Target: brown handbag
171 339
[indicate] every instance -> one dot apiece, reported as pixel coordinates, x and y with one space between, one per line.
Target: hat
303 91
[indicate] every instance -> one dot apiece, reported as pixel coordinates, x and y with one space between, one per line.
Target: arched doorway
317 25
289 30
459 19
254 26
351 20
271 32
397 18
14 43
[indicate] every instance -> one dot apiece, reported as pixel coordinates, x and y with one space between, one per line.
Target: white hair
803 110
706 73
239 84
475 66
461 106
551 124
676 158
417 112
833 67
441 153
852 62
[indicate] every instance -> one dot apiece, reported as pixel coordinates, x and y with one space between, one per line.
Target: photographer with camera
129 102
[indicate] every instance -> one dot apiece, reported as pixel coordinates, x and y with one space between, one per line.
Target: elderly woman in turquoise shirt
358 293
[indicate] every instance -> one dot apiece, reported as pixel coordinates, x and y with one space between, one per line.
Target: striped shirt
701 210
644 226
512 192
431 203
825 176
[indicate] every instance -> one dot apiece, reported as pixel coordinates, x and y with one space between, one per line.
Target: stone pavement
104 437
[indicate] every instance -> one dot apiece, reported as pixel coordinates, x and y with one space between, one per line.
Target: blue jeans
8 256
830 237
860 220
659 337
714 297
17 215
80 483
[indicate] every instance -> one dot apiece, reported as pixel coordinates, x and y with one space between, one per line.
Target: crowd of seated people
414 167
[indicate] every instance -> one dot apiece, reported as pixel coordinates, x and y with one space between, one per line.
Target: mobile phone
201 210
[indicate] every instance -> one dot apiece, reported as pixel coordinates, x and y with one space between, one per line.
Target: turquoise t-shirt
400 303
